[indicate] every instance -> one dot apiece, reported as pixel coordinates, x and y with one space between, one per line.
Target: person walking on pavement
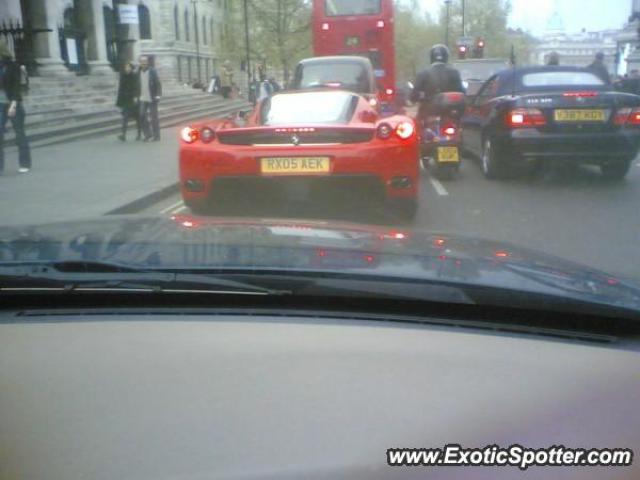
265 89
150 94
226 79
600 69
11 108
127 101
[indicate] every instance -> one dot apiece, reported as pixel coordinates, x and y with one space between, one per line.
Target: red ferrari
321 139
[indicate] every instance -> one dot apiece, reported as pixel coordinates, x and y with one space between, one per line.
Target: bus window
336 8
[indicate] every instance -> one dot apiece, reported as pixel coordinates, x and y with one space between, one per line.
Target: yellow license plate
295 165
580 116
448 154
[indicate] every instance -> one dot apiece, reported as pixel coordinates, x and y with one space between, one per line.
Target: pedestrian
600 69
127 101
553 59
150 94
226 79
264 88
274 85
11 108
213 85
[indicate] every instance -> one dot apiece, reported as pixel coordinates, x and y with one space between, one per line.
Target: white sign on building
128 14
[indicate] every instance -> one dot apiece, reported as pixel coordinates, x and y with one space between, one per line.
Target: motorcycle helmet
439 54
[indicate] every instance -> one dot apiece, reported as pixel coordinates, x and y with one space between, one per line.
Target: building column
50 63
100 63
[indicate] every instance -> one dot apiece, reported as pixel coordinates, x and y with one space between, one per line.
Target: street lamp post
464 33
195 21
446 34
247 45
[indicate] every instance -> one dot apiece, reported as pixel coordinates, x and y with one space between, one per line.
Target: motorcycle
441 135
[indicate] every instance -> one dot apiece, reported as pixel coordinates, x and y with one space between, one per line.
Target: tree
280 32
415 34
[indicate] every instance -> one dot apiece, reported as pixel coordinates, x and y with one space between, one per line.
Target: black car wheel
492 163
616 169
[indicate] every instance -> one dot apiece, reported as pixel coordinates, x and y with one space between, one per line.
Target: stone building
93 37
629 42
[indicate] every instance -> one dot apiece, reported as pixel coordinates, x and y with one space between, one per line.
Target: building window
187 35
145 22
176 22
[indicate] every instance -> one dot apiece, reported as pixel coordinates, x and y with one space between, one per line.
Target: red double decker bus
358 27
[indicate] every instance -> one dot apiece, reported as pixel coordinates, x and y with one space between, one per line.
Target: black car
523 116
351 73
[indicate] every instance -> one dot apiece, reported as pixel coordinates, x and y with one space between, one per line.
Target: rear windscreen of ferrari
309 108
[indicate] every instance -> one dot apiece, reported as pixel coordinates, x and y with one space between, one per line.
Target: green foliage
279 33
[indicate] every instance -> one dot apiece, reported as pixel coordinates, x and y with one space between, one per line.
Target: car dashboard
137 395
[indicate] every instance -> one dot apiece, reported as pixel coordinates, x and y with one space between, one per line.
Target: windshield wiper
81 276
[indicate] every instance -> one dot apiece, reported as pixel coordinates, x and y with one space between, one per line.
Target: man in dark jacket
150 94
435 79
127 101
11 108
600 69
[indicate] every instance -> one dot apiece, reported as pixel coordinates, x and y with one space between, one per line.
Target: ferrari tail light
627 116
405 130
525 118
189 135
384 131
207 135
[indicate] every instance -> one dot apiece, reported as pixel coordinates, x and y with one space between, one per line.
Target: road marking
439 187
178 210
168 209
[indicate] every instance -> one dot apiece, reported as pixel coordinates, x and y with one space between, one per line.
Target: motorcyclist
438 78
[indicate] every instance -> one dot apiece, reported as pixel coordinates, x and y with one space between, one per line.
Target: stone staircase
61 110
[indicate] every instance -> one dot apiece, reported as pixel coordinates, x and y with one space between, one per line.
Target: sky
532 15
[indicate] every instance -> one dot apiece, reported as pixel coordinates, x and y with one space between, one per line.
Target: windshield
348 76
351 7
315 135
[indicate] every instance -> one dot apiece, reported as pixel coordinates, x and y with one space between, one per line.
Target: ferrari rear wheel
616 169
405 210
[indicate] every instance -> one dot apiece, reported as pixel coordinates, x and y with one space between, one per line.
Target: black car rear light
525 118
627 116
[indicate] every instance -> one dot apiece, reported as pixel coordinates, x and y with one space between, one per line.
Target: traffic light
462 52
478 51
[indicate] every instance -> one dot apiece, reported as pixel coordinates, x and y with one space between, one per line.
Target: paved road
571 213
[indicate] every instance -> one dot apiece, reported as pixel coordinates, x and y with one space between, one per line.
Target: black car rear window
561 79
